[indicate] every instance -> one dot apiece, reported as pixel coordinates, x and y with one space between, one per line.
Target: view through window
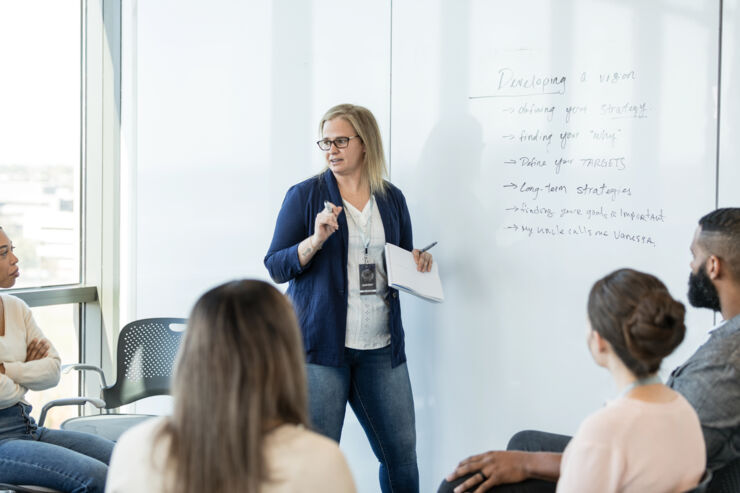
40 156
40 165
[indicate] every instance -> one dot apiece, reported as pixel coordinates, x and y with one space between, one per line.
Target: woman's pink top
632 446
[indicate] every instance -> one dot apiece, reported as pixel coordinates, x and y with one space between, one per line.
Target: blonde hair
240 371
367 129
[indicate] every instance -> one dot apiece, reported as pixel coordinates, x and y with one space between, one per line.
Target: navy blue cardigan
319 289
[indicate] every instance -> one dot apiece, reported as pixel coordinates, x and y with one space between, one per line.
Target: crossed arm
14 382
37 349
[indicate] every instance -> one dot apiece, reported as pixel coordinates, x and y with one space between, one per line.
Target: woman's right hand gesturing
325 225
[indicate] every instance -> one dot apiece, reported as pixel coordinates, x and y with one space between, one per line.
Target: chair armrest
71 401
14 488
25 489
85 367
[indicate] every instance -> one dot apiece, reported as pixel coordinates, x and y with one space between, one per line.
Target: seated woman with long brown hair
240 412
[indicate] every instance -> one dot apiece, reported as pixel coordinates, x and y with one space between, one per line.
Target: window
40 137
59 70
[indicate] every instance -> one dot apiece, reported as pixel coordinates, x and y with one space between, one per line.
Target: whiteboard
559 141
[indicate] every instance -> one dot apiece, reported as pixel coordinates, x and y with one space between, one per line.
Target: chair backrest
145 359
727 479
703 484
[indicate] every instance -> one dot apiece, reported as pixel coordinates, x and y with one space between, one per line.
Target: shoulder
623 419
300 440
717 360
393 197
306 191
11 302
723 345
599 442
17 311
710 379
311 457
605 423
726 345
393 190
308 185
134 452
390 187
140 436
681 405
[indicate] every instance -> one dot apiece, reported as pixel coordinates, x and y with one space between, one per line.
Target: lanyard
653 379
365 236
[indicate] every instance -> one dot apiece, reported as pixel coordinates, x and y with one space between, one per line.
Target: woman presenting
328 243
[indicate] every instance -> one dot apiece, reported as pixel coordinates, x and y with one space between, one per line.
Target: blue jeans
381 398
63 460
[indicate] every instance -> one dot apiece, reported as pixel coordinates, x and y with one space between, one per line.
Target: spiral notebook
402 275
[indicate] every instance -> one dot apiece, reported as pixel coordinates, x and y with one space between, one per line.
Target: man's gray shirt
710 381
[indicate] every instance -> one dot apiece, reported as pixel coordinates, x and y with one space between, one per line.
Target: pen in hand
329 208
422 265
427 247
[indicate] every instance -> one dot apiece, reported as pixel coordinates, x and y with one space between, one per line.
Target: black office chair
703 484
145 358
727 479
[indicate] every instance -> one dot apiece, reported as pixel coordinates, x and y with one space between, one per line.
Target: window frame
97 292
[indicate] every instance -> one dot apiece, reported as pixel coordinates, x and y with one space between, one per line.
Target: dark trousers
727 479
526 441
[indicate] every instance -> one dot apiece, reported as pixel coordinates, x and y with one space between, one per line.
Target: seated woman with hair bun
649 438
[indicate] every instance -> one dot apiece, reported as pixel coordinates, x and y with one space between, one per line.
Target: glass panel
40 137
59 324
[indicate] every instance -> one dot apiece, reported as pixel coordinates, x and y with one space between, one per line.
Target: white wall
226 100
228 97
729 170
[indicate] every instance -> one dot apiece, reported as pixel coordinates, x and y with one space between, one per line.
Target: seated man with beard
709 380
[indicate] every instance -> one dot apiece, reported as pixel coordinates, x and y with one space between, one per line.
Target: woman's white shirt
367 314
21 376
298 459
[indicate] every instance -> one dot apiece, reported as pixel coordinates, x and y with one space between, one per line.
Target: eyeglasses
340 142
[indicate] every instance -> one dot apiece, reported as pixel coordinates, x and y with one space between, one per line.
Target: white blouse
367 314
297 460
20 375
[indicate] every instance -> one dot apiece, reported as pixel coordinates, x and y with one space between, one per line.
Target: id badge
368 279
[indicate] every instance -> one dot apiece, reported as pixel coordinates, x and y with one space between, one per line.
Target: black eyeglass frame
334 142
